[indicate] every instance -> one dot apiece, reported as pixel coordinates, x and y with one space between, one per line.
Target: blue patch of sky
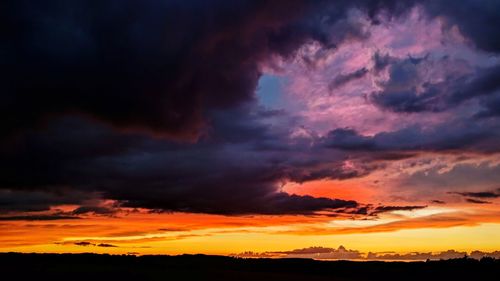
270 91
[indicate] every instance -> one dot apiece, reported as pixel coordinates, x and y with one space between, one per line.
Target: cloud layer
153 104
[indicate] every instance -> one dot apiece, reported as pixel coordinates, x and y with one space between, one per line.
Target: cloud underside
153 105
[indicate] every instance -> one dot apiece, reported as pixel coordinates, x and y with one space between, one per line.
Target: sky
251 128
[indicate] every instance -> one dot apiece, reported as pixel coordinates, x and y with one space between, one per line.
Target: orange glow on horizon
435 229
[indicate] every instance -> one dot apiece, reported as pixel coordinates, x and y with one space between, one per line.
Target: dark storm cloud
381 61
152 65
37 200
348 139
399 93
235 169
64 144
491 107
477 20
406 91
188 69
157 65
467 134
485 82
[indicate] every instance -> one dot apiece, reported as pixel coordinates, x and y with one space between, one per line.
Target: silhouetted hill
14 266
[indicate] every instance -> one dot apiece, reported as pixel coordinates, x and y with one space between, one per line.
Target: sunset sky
222 127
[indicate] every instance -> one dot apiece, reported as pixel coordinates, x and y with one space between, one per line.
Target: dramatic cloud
466 135
154 65
153 105
13 200
408 90
480 29
141 172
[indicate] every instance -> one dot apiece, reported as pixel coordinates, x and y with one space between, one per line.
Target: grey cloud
476 201
230 171
407 91
343 79
483 194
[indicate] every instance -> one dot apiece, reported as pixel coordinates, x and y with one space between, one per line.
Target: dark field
201 267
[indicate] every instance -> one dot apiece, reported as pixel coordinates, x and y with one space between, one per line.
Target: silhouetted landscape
202 267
